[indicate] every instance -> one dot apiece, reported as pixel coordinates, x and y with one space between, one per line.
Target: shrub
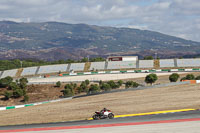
130 84
26 98
8 95
87 82
120 82
94 88
18 93
105 87
14 86
190 77
174 77
23 83
184 78
67 93
58 84
198 77
151 78
5 82
112 84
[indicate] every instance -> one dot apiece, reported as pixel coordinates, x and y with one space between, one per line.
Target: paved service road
182 122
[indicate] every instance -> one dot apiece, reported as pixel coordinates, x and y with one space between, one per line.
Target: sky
179 18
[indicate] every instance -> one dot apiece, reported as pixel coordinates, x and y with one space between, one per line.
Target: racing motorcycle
103 115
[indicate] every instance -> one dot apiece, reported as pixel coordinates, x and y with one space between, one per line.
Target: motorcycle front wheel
95 117
110 116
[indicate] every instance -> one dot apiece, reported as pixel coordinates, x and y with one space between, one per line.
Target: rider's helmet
104 109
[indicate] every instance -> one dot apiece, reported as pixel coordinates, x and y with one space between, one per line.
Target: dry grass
166 98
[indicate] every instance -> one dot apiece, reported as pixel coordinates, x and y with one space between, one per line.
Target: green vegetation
148 58
14 89
151 78
190 77
130 84
174 77
5 82
58 84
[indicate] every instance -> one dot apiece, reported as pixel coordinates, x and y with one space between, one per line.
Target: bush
120 82
23 83
26 98
87 82
112 84
198 77
58 84
183 78
94 88
8 95
67 93
106 87
151 78
18 93
174 77
5 82
190 77
14 86
130 84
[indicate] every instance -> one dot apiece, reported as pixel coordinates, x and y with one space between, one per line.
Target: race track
182 122
98 77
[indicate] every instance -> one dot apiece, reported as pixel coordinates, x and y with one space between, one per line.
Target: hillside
53 41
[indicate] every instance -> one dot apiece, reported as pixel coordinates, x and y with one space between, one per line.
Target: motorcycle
103 115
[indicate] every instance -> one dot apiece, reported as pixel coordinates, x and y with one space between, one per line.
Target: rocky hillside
53 41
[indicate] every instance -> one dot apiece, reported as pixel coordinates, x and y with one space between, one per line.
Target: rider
103 111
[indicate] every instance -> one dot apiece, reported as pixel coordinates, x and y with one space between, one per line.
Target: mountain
54 40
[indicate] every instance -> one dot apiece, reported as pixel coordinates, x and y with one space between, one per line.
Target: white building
122 58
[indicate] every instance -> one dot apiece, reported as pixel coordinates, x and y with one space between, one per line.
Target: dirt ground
39 93
156 99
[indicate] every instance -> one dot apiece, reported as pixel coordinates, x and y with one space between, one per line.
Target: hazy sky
174 17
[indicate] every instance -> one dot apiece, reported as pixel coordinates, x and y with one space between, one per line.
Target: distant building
122 58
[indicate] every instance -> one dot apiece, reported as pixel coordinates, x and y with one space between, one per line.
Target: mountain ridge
44 41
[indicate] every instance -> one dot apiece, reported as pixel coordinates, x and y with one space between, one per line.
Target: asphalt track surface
188 121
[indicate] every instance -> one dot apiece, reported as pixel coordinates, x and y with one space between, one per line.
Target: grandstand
29 71
188 62
77 66
97 65
166 63
52 69
121 64
11 73
103 66
146 63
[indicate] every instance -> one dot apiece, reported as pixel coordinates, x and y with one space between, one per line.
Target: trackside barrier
193 81
33 104
133 89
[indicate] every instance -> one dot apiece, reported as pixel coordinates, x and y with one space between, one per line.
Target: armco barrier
32 104
133 89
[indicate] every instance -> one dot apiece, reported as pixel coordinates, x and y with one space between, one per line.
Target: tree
105 87
94 88
5 82
151 78
87 82
174 77
112 84
18 93
183 78
7 95
58 84
23 83
148 58
69 90
190 77
26 98
129 84
198 77
120 82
